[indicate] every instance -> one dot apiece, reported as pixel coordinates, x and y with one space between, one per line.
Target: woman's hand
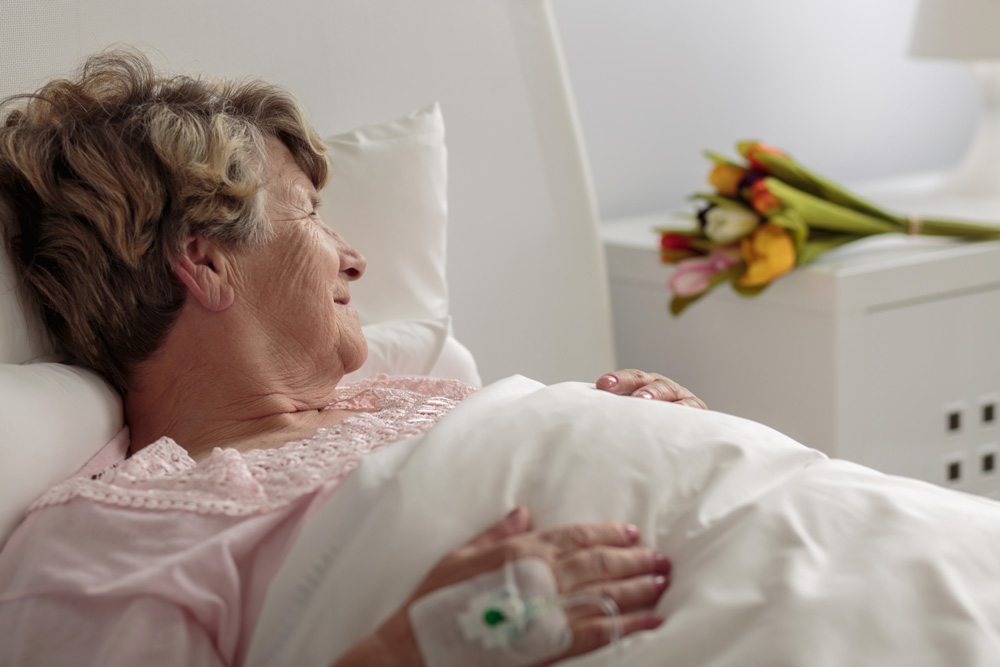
602 558
630 382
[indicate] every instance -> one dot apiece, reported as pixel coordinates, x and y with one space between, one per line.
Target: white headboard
526 271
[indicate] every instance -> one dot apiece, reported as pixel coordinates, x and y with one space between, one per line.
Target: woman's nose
352 262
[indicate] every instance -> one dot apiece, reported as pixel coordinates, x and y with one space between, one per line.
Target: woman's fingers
577 536
579 554
518 521
638 593
665 389
632 382
491 551
592 633
507 540
623 382
564 539
601 564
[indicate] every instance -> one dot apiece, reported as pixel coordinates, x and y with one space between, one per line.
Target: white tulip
725 225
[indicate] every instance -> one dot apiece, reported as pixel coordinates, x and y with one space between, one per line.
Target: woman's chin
357 358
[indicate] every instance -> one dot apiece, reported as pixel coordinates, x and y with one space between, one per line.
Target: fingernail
515 512
662 564
608 381
661 583
644 394
632 533
652 622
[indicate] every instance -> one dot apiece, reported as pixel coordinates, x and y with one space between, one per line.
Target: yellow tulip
725 178
769 252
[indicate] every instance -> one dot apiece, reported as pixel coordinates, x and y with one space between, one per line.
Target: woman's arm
602 558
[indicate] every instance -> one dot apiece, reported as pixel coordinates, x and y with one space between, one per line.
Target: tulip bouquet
768 215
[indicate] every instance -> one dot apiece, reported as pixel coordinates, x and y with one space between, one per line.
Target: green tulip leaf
967 228
795 175
718 158
744 147
815 247
817 212
679 304
748 290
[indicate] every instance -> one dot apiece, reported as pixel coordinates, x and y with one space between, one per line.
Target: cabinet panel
933 382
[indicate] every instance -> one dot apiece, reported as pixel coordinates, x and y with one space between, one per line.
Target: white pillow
416 347
387 196
53 418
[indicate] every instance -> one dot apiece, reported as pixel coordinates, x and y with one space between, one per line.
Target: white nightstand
885 352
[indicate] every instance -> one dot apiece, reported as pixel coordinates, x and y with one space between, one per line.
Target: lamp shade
960 29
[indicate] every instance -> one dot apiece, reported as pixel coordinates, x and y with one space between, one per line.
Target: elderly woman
166 230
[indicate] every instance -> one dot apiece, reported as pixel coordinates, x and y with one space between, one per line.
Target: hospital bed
485 262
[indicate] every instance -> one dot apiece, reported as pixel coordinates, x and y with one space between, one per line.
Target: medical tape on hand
507 618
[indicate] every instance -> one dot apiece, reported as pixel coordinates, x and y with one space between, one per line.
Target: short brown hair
103 176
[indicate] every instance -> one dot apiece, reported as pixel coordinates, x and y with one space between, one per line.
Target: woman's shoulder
159 476
163 476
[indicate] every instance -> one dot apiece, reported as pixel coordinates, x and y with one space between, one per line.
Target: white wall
658 81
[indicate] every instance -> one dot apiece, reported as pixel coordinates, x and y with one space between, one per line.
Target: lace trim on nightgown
163 475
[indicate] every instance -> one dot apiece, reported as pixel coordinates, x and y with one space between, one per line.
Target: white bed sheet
781 556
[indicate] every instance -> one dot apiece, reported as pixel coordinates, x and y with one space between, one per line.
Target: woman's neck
264 433
212 383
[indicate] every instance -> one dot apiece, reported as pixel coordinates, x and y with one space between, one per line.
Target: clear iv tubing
610 609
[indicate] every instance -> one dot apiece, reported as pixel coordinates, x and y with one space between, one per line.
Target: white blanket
781 556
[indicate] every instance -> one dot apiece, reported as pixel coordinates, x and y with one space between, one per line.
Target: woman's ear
203 266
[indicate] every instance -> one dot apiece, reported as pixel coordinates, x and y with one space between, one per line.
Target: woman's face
297 284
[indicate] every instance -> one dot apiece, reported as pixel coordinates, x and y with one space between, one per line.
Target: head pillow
387 196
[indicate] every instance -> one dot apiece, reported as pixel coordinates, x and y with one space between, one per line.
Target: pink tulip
694 276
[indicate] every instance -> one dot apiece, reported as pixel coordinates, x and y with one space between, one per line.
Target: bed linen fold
781 556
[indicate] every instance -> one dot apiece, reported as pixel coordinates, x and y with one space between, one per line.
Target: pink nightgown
158 560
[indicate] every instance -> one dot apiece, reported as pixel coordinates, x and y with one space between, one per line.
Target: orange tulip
769 252
725 178
751 154
762 200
